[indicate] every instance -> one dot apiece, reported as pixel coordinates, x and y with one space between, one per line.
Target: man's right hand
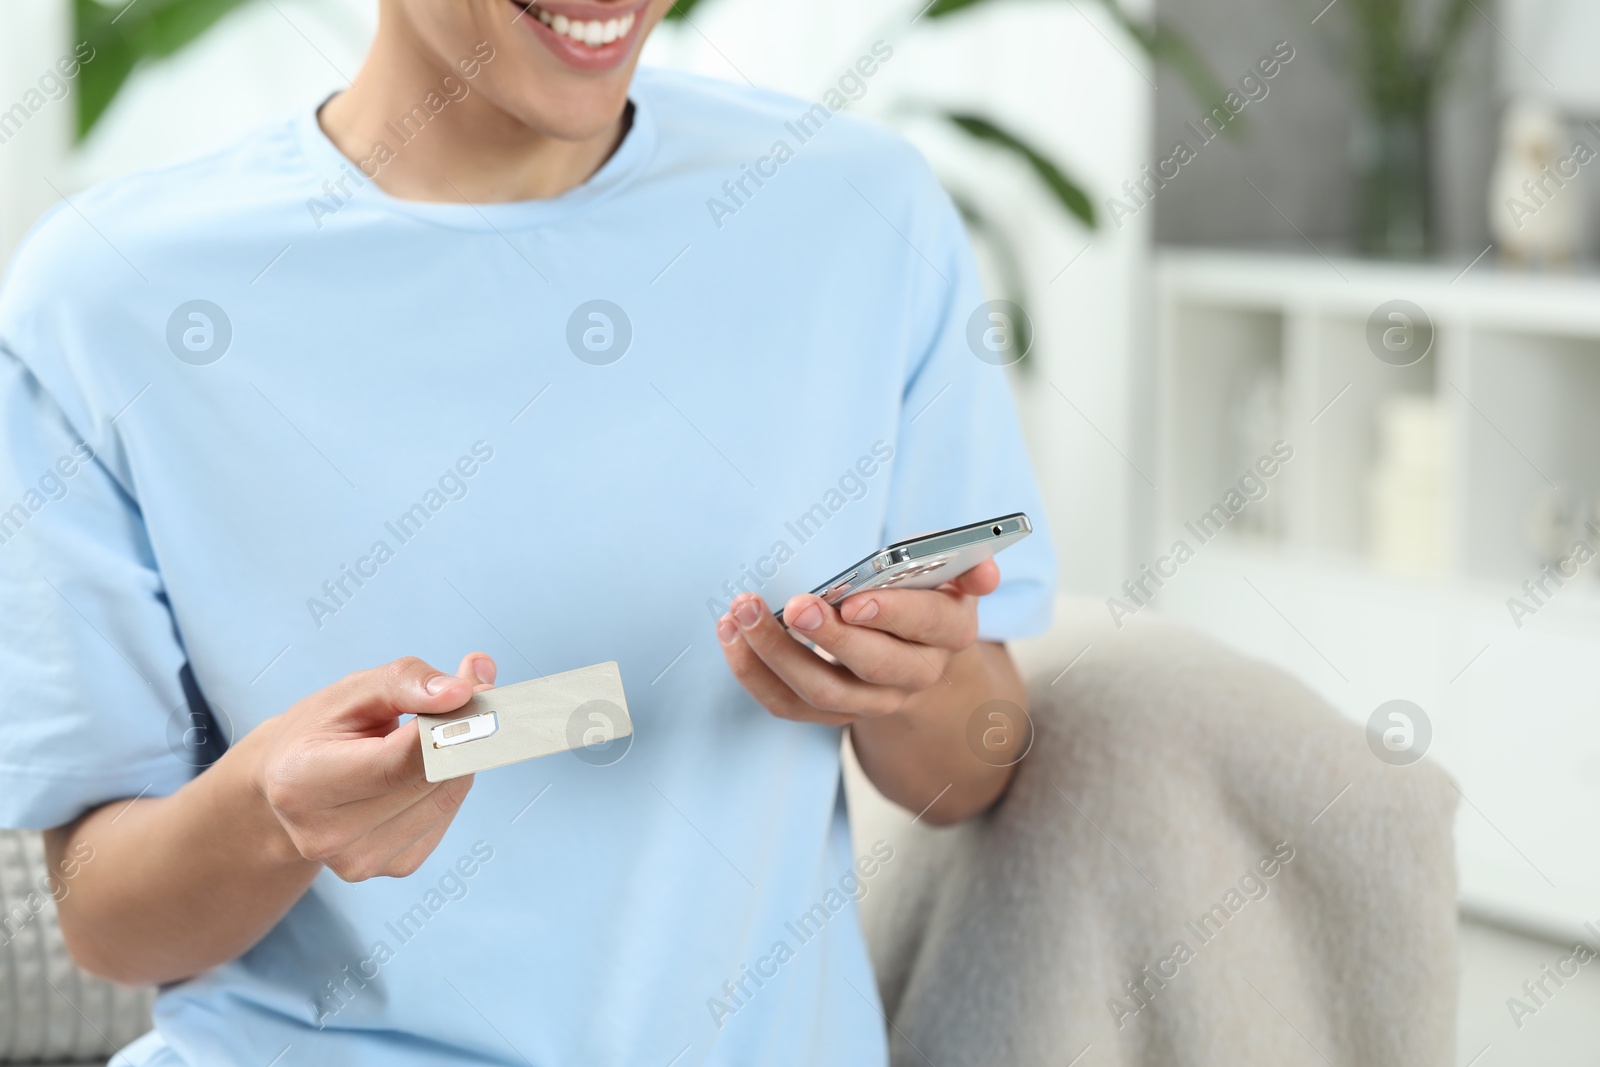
185 882
344 778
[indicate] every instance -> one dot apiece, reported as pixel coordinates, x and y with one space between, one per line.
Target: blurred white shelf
1483 296
1259 348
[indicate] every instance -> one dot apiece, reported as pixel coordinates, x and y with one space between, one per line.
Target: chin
568 113
572 63
560 67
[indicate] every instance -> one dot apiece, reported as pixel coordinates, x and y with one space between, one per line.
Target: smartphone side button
891 559
839 587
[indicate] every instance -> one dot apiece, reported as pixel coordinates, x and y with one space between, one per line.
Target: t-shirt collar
347 176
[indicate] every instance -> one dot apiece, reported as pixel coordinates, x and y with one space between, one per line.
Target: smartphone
925 562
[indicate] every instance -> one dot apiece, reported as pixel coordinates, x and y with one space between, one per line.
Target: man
503 346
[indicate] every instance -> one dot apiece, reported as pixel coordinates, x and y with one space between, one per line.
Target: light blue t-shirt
264 424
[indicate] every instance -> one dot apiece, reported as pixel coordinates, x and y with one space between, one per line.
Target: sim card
582 709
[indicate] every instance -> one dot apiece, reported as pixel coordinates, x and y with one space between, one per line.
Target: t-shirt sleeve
959 453
89 658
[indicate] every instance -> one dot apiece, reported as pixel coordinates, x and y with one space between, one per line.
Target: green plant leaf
1068 193
1013 279
681 10
1160 42
1444 49
1164 45
941 8
127 35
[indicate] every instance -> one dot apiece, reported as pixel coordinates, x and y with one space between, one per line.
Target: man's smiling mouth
595 33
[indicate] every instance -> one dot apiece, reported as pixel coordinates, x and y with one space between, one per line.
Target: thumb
478 668
406 686
980 580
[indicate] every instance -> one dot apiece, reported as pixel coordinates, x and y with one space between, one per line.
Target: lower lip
580 56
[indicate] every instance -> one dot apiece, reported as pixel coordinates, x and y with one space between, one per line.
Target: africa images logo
1399 732
592 733
599 332
999 332
199 332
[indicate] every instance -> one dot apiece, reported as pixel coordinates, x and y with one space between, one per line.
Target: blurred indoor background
1363 229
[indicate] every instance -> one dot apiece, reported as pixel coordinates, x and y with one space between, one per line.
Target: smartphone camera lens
996 531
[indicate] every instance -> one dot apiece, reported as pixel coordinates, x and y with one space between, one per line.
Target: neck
470 150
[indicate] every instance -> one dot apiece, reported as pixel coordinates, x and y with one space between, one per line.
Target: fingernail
726 630
484 669
437 684
747 613
809 619
866 612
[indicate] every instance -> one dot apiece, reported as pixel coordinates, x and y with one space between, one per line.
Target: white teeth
592 33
